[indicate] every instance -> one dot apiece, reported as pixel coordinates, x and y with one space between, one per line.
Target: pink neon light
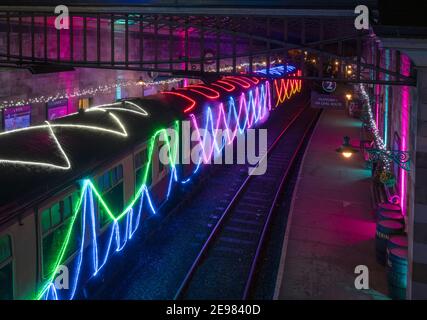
377 105
243 83
215 95
190 107
255 80
405 118
231 87
252 109
250 79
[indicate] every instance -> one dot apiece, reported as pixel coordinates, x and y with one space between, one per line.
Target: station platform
330 228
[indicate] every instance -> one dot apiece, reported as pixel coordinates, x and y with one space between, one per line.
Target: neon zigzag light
285 88
88 189
230 87
253 109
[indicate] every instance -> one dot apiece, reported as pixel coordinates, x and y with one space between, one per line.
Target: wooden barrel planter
397 270
391 215
387 207
400 242
385 229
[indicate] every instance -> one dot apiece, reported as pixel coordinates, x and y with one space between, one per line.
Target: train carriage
75 190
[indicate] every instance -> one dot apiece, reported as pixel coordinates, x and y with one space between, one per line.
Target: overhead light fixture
140 81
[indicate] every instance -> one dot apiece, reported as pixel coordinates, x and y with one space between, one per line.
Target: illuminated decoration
234 115
117 240
49 126
192 104
108 88
386 97
405 131
253 108
101 89
253 79
214 95
66 166
238 80
224 85
285 88
279 71
402 158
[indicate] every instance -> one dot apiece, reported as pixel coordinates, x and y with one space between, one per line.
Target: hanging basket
388 179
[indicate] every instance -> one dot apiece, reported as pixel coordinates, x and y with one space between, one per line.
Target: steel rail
184 284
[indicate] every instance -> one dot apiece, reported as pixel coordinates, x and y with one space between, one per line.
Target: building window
6 269
55 223
110 185
85 103
141 164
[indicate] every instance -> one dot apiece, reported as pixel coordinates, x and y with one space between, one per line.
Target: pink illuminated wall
405 123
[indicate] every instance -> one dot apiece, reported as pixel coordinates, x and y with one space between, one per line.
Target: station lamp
349 96
401 158
140 81
347 150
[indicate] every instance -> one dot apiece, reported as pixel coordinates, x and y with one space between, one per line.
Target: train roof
41 160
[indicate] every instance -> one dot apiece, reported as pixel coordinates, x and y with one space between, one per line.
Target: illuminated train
75 190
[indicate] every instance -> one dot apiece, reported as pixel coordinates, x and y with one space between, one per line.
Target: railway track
226 266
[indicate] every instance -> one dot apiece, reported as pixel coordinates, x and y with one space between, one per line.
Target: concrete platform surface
331 229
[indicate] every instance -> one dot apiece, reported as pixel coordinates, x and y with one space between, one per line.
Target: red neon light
215 95
250 79
255 80
193 102
240 82
230 86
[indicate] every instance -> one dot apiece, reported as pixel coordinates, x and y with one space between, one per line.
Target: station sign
329 86
16 117
327 101
57 109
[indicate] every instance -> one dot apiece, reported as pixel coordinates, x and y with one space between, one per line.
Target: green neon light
172 153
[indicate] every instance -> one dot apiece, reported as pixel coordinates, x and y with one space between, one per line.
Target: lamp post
401 158
347 150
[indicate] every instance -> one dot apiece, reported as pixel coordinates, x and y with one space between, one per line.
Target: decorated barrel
385 229
391 215
397 271
386 207
400 241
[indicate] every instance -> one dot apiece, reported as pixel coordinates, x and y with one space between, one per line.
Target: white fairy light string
108 88
50 126
101 89
379 142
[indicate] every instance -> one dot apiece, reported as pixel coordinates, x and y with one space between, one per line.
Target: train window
55 222
162 167
110 185
141 162
68 206
5 249
46 220
55 214
6 270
